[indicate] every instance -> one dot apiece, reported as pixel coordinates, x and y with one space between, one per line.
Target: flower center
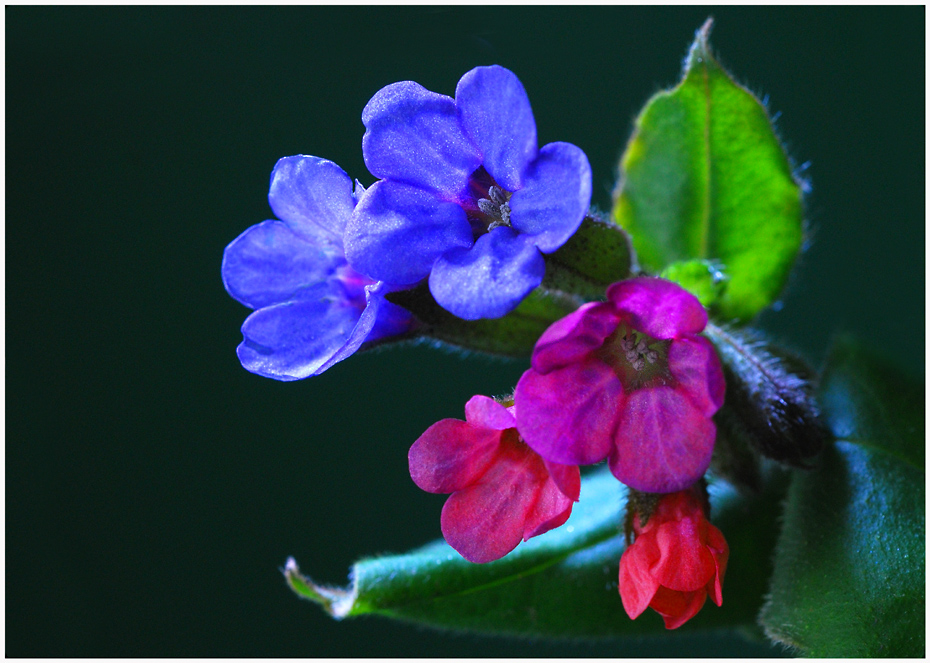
637 352
496 207
488 205
638 359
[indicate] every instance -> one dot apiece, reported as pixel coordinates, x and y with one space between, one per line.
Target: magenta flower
311 308
502 491
466 196
628 380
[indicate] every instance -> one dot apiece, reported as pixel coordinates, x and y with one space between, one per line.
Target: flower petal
720 551
269 263
398 231
452 455
488 413
413 135
571 338
313 196
487 520
294 340
568 415
663 442
636 582
677 607
496 114
658 307
695 365
389 319
685 564
555 196
550 510
566 477
489 279
379 319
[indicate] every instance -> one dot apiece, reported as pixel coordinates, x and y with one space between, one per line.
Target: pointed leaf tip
562 584
700 49
336 601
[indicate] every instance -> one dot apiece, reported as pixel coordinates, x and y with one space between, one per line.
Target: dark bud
769 402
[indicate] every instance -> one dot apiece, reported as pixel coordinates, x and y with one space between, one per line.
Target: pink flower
628 380
502 491
677 560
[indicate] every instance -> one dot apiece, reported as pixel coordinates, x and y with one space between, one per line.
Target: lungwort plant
792 499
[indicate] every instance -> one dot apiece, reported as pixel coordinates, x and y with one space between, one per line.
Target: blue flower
312 308
465 195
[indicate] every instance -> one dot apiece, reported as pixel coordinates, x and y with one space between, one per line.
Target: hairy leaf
562 584
849 574
705 177
597 255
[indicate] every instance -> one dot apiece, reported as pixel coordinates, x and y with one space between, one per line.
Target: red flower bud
676 561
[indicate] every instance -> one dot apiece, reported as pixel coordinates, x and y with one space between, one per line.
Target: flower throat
491 203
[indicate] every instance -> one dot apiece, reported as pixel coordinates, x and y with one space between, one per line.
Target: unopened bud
640 506
769 402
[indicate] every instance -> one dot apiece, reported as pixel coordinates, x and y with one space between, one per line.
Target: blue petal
555 196
414 136
313 196
496 114
398 231
390 319
490 279
269 263
380 319
295 340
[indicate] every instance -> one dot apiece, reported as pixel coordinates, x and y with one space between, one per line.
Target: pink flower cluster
628 380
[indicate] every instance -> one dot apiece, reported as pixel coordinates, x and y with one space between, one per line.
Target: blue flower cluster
465 198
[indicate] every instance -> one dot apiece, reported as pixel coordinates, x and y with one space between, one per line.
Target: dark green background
154 487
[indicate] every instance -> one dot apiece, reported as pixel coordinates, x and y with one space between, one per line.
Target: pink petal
677 607
637 584
685 564
451 455
658 307
566 477
488 413
720 551
695 365
663 442
486 521
571 339
568 416
480 525
551 510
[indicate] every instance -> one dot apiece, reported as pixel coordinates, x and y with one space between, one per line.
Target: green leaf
598 254
704 177
513 335
849 575
704 279
561 584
